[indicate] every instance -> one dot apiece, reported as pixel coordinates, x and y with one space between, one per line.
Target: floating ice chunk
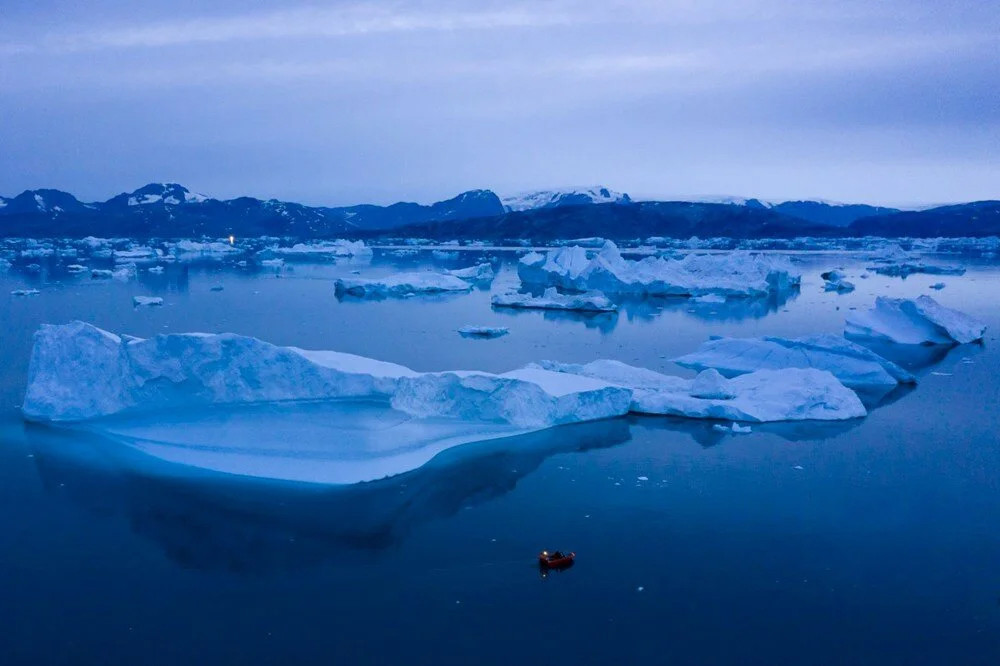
483 331
216 287
135 254
272 263
735 428
443 255
79 371
122 273
709 298
938 286
553 300
732 274
917 322
902 264
478 273
835 281
855 366
76 268
401 284
24 292
790 394
146 300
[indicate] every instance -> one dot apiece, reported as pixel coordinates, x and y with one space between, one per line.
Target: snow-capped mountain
574 196
53 202
170 194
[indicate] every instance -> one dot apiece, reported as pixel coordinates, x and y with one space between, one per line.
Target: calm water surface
870 542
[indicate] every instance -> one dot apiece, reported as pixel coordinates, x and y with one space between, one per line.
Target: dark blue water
870 542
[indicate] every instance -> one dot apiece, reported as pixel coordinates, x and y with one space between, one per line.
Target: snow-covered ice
401 284
922 321
146 300
737 274
76 268
790 394
855 366
553 300
335 248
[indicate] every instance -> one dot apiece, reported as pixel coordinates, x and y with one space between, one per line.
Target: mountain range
171 210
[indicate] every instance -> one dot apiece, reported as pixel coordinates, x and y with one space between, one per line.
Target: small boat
555 560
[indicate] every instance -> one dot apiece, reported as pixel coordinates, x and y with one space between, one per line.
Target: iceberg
146 300
76 268
835 281
855 366
736 274
187 249
24 292
553 300
904 269
401 284
478 273
80 372
483 331
324 249
790 394
122 273
922 321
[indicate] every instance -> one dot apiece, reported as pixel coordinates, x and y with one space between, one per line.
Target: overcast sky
884 101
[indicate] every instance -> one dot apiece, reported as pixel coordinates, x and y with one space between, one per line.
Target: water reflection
217 522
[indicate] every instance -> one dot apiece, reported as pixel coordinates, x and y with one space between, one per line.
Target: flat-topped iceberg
790 394
855 366
146 300
322 249
80 372
903 269
922 321
738 274
553 300
401 284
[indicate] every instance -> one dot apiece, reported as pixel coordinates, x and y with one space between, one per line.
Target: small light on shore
232 239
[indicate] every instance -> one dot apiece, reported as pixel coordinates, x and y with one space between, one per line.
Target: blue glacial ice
920 321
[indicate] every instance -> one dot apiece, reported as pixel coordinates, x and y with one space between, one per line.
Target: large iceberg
737 274
401 284
478 273
790 394
922 321
322 249
854 365
553 300
79 372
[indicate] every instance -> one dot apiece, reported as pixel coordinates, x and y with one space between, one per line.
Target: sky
334 103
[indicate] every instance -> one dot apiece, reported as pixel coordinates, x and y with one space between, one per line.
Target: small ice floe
483 332
401 284
835 281
642 478
139 301
905 269
76 268
478 273
155 269
735 428
922 321
443 255
335 248
272 263
593 301
25 292
941 374
119 273
797 467
217 287
938 286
